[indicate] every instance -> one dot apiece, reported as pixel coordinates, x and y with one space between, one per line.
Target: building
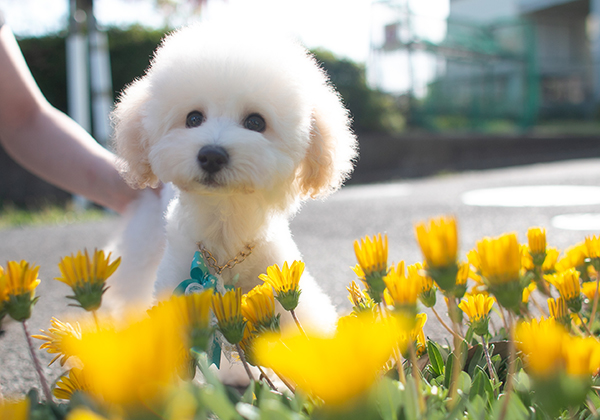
522 60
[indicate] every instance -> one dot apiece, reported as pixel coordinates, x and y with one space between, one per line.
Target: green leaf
469 335
478 359
389 395
248 411
464 352
514 411
435 358
248 397
481 385
476 407
271 409
411 405
464 382
214 395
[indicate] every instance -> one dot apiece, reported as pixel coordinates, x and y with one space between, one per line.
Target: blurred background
434 86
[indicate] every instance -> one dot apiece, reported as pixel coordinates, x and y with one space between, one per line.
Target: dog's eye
255 122
194 119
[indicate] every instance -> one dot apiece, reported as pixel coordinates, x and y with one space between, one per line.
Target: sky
342 26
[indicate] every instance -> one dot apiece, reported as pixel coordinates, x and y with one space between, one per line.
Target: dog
245 126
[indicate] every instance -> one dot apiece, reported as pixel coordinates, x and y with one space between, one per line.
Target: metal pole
78 76
100 80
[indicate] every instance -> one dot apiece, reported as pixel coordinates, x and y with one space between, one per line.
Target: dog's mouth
210 181
211 184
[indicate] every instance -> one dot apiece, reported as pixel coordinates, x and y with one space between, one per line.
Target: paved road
325 231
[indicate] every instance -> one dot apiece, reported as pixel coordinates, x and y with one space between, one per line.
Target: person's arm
47 142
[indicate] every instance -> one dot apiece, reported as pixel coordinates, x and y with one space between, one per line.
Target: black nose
212 158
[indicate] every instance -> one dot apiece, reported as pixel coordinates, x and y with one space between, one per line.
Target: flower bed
534 360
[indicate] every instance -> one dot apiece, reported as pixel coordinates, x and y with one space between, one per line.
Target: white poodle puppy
245 126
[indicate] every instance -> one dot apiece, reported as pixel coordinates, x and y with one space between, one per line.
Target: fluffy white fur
305 152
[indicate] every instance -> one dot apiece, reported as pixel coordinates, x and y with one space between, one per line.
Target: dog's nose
212 158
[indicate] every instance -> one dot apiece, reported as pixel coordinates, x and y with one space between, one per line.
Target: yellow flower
258 307
574 257
499 258
14 410
401 291
463 274
20 281
247 344
70 383
336 368
135 362
84 414
559 364
559 311
541 342
548 264
568 285
549 349
581 355
536 237
87 277
372 254
3 288
194 312
21 278
228 311
477 308
372 257
57 338
427 291
285 281
499 262
194 308
359 299
551 259
589 289
527 292
79 269
438 240
80 413
592 247
415 336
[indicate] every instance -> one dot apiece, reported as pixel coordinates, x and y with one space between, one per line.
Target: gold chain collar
212 261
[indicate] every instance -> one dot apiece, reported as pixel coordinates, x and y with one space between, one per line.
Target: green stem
456 367
298 323
585 327
511 367
244 362
264 376
36 364
417 376
286 383
488 359
400 368
450 330
96 320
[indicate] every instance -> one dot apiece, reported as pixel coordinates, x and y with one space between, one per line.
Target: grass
12 216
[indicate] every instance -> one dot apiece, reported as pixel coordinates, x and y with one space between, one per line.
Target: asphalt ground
325 231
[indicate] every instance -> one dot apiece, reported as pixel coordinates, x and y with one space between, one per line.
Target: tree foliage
131 51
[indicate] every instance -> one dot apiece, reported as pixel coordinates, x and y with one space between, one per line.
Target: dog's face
217 114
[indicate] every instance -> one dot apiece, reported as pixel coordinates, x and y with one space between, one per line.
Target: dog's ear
330 156
130 137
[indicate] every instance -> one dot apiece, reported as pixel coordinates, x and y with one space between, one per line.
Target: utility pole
89 84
